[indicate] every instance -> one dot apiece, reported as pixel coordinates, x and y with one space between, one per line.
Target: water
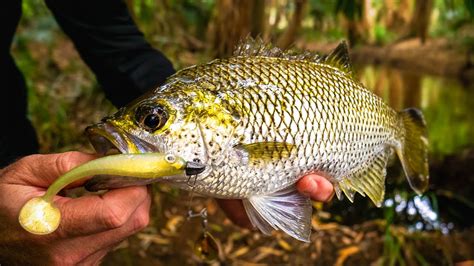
447 105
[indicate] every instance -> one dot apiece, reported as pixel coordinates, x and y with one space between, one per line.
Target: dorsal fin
257 47
339 58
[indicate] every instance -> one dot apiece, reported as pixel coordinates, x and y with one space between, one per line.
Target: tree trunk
289 36
231 22
420 20
353 20
412 86
398 16
258 18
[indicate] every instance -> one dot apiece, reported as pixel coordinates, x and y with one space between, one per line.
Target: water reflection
446 103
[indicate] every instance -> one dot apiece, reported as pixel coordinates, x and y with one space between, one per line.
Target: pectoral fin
267 151
286 210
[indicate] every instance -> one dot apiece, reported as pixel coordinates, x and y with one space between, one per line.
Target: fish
262 119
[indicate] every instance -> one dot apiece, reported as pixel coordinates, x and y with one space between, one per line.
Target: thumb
42 169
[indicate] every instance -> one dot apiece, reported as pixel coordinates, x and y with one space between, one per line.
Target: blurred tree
396 15
258 18
235 19
470 7
356 19
420 20
412 86
232 20
289 35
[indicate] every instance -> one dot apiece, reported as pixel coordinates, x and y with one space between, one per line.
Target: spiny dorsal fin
257 47
339 58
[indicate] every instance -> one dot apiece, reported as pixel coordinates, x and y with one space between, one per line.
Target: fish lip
105 136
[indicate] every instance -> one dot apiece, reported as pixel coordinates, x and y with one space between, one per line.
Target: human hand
316 187
90 225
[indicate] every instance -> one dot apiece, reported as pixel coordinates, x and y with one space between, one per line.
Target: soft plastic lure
39 215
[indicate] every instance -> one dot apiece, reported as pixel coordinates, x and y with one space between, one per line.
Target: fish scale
305 121
265 117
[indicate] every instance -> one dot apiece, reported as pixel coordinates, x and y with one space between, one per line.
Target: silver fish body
264 118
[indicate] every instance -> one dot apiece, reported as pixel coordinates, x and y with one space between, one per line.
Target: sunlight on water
418 206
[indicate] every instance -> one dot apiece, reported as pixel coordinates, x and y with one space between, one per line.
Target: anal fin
368 181
286 210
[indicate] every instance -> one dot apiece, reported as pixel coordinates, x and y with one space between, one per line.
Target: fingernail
332 196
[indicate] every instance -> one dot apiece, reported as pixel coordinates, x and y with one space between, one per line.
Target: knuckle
25 162
141 221
66 161
22 166
114 217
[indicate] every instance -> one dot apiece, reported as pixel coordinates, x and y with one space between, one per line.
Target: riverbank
436 57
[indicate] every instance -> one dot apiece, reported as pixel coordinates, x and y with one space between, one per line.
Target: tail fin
414 151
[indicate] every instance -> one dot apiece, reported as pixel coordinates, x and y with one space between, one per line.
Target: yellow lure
39 215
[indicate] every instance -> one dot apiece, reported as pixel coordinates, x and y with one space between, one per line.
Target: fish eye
170 158
151 117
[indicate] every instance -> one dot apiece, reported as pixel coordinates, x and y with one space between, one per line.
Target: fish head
183 118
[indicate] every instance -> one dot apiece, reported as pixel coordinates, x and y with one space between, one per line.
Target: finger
234 209
42 169
96 258
317 187
141 216
93 214
90 248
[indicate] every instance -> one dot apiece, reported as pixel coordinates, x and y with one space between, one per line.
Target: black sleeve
110 43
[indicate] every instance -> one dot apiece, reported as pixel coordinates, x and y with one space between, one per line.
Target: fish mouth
108 139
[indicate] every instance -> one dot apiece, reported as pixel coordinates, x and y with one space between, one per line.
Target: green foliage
144 10
352 9
392 249
33 9
448 115
469 6
321 9
196 14
452 15
382 34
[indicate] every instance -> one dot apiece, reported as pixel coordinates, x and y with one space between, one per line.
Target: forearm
112 46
